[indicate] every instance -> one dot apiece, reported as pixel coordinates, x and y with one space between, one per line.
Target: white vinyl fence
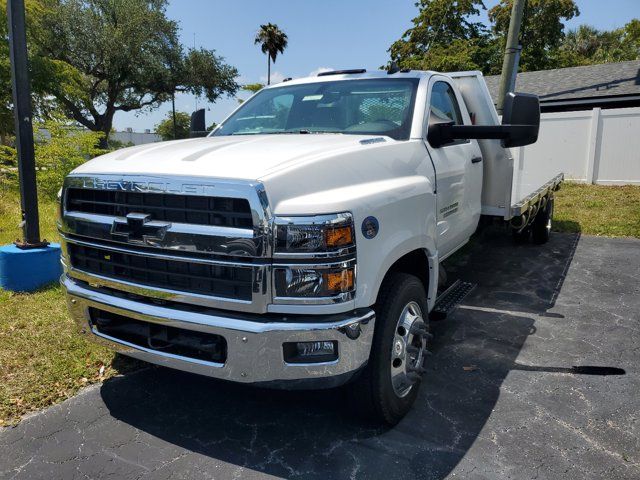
594 146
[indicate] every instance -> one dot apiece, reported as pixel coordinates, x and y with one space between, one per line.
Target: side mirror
521 109
197 127
520 125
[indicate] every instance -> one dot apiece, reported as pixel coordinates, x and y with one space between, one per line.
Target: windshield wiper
284 132
318 132
302 131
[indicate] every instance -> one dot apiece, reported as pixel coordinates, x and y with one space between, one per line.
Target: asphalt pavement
536 375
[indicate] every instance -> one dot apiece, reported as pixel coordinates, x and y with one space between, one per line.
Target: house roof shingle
577 83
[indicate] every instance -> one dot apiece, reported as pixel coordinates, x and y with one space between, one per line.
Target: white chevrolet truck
299 244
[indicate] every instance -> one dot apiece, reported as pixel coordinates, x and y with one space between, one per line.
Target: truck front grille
233 282
192 209
195 241
176 341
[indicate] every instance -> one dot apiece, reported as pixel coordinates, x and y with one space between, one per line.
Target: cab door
458 167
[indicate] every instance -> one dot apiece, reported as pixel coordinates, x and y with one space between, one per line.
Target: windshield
364 107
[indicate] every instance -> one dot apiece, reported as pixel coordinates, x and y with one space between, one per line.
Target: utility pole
511 53
173 110
24 127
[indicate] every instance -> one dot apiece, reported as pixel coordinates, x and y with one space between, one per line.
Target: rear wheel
521 236
541 228
389 385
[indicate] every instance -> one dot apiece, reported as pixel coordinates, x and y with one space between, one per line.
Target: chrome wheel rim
550 219
408 349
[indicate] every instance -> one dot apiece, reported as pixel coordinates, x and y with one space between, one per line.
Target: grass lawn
44 361
610 211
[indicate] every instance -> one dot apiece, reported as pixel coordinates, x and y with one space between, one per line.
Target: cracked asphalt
500 400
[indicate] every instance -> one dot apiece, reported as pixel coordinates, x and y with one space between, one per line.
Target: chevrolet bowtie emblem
139 228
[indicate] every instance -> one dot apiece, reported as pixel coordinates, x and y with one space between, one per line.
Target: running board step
450 299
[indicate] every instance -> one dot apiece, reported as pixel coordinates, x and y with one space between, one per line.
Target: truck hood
247 157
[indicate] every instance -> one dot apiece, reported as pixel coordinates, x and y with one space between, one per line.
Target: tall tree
446 35
44 72
127 57
272 41
542 30
587 45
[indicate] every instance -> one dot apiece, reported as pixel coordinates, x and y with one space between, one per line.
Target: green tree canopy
165 127
542 30
446 35
127 56
44 71
253 87
587 45
272 41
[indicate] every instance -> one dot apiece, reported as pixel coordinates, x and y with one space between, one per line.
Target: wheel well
415 263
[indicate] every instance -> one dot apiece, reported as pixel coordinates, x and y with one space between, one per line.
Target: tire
541 228
373 394
521 237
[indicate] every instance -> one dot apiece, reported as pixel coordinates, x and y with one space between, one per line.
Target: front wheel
389 385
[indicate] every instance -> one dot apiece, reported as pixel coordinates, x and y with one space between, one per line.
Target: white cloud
318 70
276 77
242 80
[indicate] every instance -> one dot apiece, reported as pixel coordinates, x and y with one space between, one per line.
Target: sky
323 34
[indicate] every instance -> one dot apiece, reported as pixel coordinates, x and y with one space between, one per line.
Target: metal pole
268 69
173 109
23 123
511 53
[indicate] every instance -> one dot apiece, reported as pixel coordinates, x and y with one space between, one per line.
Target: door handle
476 159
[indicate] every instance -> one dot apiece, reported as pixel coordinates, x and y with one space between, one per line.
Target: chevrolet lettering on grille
139 228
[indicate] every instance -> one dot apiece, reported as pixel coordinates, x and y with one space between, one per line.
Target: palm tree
272 41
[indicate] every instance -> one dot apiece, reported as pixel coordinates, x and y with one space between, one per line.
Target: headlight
323 233
314 282
320 265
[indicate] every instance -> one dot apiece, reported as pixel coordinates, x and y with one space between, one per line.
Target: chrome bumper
254 349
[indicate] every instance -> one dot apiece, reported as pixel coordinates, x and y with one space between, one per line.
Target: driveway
500 400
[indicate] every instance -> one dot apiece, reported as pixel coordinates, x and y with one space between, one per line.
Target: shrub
8 166
59 149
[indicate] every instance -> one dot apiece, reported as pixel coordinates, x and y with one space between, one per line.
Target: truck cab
299 244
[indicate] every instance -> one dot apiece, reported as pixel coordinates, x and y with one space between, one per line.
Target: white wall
136 138
596 146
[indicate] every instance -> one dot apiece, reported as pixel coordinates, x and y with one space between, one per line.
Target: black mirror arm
443 133
498 132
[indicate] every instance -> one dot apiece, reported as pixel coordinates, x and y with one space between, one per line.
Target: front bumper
254 348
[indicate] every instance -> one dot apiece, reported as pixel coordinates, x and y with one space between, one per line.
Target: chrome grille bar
217 280
194 210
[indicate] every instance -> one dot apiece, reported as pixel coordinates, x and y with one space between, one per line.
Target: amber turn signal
339 281
339 236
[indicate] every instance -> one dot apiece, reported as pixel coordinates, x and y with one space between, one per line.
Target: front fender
408 223
405 208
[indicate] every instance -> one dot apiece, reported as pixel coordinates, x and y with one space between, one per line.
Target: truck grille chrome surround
198 241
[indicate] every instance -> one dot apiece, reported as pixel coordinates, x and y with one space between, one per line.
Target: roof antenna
393 68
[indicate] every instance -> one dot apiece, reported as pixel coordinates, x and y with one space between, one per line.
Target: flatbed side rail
526 203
